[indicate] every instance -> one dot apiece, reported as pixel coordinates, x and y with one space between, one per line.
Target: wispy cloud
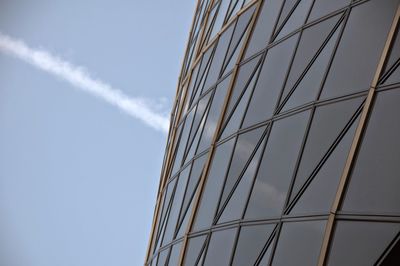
81 79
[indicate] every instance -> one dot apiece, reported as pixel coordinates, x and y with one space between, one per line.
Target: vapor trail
80 79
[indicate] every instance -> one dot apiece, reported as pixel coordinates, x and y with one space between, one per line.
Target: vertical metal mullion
356 143
212 148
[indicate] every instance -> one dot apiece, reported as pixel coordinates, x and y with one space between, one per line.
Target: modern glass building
284 144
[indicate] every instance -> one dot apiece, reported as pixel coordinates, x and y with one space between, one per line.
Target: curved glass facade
284 144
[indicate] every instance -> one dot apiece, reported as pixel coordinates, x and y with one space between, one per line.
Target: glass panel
235 206
394 51
270 81
174 257
394 77
360 243
296 19
393 257
288 6
360 48
193 250
302 240
194 179
375 179
309 86
239 35
182 143
276 169
165 210
245 74
235 118
176 205
324 7
162 257
200 113
327 124
251 242
213 186
214 114
223 8
320 193
264 26
219 56
220 247
245 147
311 41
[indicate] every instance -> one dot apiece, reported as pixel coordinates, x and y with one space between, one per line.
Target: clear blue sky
78 177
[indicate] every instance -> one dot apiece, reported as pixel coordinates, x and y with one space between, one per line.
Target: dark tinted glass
296 19
360 243
320 193
245 147
276 169
360 48
235 206
193 249
264 26
220 247
324 7
375 179
213 115
328 122
299 243
270 82
393 257
213 186
251 242
312 39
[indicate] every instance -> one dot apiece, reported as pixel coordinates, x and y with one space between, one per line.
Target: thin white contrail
79 78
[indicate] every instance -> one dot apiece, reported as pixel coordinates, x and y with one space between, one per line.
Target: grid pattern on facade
284 137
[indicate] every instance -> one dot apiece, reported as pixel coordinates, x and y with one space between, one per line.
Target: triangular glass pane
251 241
311 40
213 186
200 113
394 52
263 27
245 75
324 7
235 120
219 22
183 225
174 257
303 240
238 37
176 205
213 115
270 82
166 206
320 193
195 246
276 168
358 53
360 243
393 257
245 147
310 84
182 143
328 122
394 77
193 180
218 59
162 257
296 19
286 9
220 247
